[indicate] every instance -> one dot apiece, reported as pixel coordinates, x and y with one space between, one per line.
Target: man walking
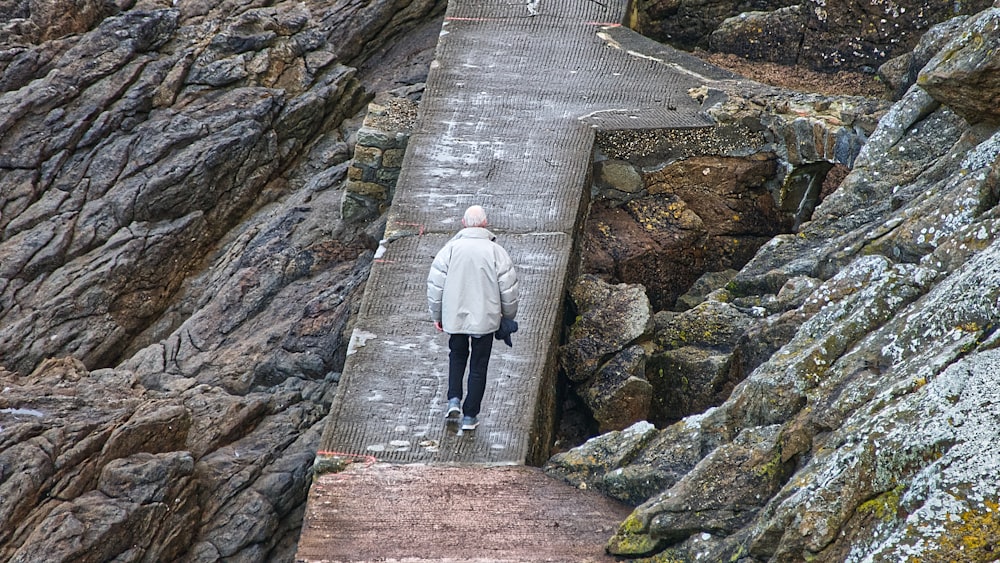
471 286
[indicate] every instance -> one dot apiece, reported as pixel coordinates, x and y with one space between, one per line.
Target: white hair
475 216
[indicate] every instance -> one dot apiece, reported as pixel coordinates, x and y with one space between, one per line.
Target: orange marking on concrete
420 225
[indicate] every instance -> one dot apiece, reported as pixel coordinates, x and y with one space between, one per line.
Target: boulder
762 36
609 319
963 73
689 370
617 180
620 394
600 454
604 358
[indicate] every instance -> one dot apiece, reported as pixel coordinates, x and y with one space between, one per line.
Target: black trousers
478 362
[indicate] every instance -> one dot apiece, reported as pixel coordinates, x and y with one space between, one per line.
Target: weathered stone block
381 139
356 208
619 175
368 156
368 189
393 158
387 175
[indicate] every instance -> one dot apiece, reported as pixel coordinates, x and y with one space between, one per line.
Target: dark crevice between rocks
574 422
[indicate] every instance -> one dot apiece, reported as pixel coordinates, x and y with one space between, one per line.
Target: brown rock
701 214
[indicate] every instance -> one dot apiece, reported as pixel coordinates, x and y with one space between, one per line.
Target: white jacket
472 284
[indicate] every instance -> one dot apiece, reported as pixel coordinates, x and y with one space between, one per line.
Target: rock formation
175 279
824 35
669 206
863 427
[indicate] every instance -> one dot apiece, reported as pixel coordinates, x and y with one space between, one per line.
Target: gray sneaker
454 408
469 422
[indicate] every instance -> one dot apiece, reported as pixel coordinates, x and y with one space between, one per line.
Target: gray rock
617 180
609 319
601 454
901 72
706 284
690 369
620 395
962 75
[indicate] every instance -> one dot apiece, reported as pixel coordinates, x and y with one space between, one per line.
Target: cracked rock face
175 280
867 432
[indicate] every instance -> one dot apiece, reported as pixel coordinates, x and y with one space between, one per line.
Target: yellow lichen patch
668 556
771 468
973 535
632 539
885 506
969 327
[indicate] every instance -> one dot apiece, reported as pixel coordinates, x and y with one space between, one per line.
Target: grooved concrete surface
507 121
438 513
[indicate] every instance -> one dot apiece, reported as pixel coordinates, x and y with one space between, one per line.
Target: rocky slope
174 277
864 427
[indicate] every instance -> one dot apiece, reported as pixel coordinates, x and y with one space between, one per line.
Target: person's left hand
437 325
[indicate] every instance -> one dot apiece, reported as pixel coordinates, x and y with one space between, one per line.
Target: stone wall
378 158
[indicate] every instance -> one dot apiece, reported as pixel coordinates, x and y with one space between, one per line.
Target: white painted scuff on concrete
611 42
593 114
358 339
674 66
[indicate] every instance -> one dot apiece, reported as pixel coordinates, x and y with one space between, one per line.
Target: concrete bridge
508 119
